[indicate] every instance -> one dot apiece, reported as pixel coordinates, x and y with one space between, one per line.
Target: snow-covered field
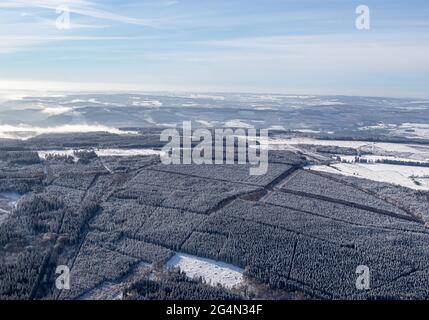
360 145
213 272
394 174
414 130
409 130
126 152
413 177
237 124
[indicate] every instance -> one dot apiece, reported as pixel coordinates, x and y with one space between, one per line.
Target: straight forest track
353 205
374 194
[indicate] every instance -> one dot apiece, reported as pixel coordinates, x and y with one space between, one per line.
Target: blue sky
284 46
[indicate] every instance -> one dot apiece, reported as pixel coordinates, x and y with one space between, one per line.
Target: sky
275 46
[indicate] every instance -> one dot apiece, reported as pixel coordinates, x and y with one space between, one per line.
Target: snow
414 130
403 175
126 152
8 201
277 127
44 153
54 111
206 96
412 152
398 147
148 103
263 108
237 124
213 272
394 174
408 130
269 98
330 103
308 131
112 104
424 182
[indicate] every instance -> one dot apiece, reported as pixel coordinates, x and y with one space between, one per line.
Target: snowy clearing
126 152
213 272
237 124
414 130
394 174
410 151
386 146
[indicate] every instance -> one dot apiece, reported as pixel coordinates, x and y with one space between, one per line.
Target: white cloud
81 7
26 132
31 27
